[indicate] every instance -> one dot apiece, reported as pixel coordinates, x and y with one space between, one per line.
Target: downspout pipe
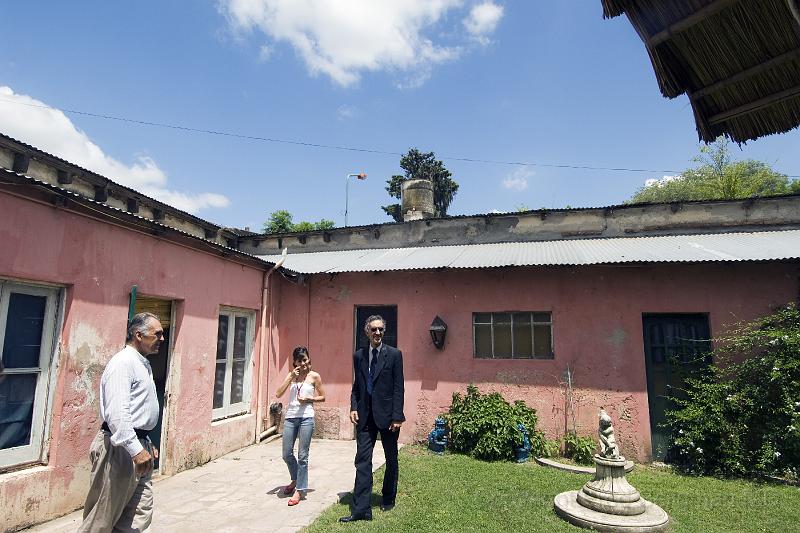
275 411
262 355
272 430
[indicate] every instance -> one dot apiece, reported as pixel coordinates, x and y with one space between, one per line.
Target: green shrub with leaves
551 448
484 426
741 417
580 449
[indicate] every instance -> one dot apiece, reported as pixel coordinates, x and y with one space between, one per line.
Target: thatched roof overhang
737 60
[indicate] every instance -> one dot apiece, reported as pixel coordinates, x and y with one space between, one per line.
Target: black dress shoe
355 517
387 507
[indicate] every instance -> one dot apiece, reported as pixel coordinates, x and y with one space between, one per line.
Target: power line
337 147
200 130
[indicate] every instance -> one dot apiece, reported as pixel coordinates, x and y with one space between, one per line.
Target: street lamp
361 176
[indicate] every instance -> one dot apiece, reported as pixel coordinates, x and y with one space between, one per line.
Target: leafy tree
324 224
717 177
394 211
281 222
419 165
304 226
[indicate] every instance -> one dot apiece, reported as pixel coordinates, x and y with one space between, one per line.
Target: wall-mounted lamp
438 332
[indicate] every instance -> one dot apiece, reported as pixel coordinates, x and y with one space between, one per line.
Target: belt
140 433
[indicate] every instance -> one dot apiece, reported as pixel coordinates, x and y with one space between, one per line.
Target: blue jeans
298 467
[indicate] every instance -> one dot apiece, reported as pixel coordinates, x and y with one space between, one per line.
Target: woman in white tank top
305 388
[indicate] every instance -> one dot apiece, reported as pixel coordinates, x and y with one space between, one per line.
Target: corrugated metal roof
120 212
183 214
750 246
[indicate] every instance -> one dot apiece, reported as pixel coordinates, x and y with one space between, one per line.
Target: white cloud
264 53
518 180
652 182
482 20
344 38
34 122
346 112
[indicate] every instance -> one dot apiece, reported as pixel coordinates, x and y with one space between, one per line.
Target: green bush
579 449
741 417
551 448
484 426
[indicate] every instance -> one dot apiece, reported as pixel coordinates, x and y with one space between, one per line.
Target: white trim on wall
244 358
36 449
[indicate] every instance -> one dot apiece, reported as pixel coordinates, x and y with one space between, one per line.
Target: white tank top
295 409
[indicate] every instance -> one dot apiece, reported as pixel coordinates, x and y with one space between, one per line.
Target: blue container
437 439
522 453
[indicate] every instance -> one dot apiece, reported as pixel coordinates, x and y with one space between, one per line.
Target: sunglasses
376 330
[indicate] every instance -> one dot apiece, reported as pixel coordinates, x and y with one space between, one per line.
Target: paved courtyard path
241 491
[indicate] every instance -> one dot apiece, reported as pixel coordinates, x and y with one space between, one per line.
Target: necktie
372 365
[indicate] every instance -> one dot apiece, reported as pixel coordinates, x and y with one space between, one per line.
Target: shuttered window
161 308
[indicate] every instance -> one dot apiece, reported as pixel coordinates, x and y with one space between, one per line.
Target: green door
675 347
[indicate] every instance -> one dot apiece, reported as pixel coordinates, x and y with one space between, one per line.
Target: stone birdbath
608 502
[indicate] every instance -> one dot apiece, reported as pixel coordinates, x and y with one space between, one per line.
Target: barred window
513 335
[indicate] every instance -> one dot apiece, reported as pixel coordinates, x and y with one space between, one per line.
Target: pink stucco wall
597 330
97 263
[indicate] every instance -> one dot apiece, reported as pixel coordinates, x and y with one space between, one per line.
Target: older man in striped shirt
121 495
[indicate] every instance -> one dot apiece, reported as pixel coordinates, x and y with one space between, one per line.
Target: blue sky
514 81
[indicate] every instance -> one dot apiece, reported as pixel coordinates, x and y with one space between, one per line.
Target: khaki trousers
118 500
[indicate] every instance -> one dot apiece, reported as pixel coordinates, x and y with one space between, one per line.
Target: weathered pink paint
97 263
597 331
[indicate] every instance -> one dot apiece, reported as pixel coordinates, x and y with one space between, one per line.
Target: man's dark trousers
365 443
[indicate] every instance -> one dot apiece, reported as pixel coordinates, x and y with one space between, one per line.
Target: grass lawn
456 493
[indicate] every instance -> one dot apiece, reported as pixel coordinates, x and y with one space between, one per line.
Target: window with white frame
27 329
232 374
512 335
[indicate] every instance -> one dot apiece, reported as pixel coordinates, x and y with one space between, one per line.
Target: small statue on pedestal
609 502
608 444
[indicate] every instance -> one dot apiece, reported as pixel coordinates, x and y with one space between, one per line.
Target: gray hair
138 324
373 318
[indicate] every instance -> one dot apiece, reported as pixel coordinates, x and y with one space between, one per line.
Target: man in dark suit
376 406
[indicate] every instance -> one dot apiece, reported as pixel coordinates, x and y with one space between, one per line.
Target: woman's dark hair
299 353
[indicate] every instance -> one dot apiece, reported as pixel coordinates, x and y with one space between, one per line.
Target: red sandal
288 489
292 501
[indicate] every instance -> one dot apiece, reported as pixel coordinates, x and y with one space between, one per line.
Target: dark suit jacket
388 387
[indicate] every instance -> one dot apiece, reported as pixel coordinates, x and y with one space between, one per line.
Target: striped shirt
128 398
